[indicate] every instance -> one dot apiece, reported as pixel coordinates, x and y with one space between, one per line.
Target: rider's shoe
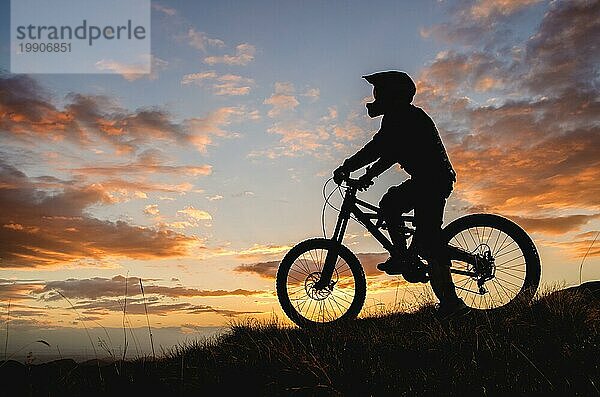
410 268
451 310
391 266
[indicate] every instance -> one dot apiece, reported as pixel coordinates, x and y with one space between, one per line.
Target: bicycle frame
351 206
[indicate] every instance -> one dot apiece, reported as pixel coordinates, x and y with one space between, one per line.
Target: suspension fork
337 238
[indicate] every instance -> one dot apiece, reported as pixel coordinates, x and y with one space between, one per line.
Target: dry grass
547 347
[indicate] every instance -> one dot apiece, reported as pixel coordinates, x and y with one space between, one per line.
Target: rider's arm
369 153
379 167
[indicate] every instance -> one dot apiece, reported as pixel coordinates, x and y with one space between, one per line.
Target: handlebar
350 182
344 177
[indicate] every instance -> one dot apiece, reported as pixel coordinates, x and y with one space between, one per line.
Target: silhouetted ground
549 347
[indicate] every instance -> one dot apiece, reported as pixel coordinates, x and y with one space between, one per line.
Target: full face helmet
389 87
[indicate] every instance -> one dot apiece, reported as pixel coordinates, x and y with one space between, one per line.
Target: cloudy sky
198 177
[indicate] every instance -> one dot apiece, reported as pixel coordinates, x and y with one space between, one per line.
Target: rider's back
409 137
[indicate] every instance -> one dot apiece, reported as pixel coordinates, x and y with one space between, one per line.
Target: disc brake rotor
314 293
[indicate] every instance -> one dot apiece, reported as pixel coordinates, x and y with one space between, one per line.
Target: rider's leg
428 239
398 238
397 200
441 281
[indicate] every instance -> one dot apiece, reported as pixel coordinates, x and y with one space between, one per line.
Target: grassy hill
548 347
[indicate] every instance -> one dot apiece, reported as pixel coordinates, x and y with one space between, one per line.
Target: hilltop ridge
550 346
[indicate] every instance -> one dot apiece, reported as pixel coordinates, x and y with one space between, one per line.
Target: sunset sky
198 177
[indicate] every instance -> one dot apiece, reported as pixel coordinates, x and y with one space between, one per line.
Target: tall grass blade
147 320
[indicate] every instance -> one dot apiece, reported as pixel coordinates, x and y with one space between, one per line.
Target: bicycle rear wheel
301 268
509 266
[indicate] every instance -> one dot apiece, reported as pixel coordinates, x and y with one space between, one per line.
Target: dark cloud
564 54
268 270
262 269
99 287
479 21
479 71
26 110
27 313
200 309
15 290
100 307
28 323
193 292
134 307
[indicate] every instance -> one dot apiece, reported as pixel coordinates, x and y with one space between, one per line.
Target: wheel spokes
506 274
320 305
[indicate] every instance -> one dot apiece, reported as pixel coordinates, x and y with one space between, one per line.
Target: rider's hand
364 182
340 174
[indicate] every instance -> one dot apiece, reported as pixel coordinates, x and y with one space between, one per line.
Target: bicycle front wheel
301 268
509 265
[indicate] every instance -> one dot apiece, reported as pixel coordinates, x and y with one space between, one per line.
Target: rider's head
389 88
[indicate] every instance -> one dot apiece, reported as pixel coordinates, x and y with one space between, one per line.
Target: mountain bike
494 262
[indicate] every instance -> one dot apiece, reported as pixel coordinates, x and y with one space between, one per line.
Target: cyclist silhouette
409 137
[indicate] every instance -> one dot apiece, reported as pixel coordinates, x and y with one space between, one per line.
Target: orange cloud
195 214
203 129
244 54
262 250
56 230
131 72
27 113
555 173
554 225
299 141
282 99
164 9
348 130
227 84
151 209
583 244
484 10
148 162
201 41
280 103
124 186
529 152
312 93
232 84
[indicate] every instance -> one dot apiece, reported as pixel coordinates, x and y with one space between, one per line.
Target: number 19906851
45 47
